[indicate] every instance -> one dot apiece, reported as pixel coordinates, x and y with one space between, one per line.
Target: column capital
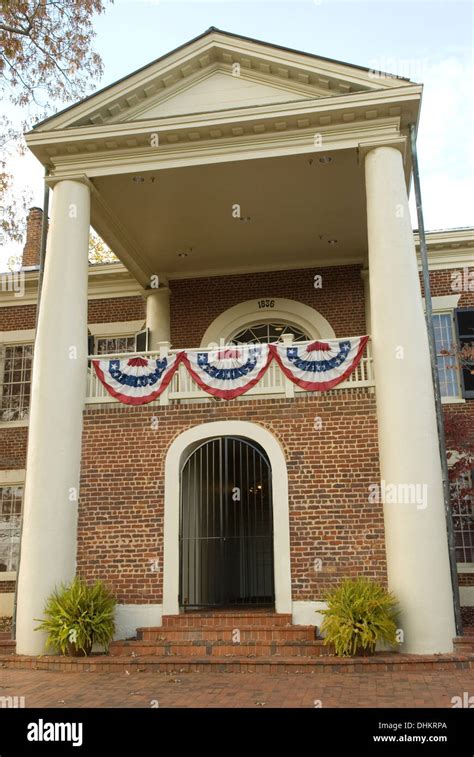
51 181
161 291
398 143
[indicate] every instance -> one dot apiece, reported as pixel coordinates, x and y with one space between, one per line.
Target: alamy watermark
399 494
13 281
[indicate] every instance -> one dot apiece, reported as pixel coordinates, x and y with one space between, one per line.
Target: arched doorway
226 525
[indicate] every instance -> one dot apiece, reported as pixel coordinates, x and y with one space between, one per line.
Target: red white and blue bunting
136 380
228 372
320 366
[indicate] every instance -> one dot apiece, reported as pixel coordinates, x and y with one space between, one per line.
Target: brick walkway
400 689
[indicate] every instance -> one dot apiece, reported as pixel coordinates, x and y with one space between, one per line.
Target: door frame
177 452
223 568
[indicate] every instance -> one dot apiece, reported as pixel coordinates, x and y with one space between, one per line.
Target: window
446 360
463 522
465 328
15 381
267 333
113 345
11 498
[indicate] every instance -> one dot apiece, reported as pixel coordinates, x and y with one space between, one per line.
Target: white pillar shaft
368 315
158 317
48 547
416 540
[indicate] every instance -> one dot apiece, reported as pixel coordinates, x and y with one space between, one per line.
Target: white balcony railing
182 387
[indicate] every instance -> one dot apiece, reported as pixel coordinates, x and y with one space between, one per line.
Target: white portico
226 156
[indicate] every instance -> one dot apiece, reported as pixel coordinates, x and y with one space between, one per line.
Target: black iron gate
226 525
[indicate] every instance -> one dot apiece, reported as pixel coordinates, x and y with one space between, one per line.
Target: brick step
224 633
5 635
203 648
7 646
378 663
229 619
464 644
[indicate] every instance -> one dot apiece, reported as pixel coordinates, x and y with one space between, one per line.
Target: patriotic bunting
227 373
136 380
319 366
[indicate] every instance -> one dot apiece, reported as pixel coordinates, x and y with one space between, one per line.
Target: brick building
254 195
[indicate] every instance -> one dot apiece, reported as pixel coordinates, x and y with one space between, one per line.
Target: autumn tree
99 252
46 60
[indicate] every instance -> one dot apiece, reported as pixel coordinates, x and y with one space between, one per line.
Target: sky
428 42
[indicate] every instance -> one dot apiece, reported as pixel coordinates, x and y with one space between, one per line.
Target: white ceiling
294 206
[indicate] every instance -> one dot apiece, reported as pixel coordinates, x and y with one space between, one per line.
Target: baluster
164 348
287 340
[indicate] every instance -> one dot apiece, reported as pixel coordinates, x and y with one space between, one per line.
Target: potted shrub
359 613
77 615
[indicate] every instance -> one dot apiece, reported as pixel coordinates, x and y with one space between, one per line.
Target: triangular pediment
219 71
219 90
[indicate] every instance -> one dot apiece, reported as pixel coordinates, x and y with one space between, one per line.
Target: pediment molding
311 76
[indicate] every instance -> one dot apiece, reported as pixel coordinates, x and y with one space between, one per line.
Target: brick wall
17 317
13 448
7 587
116 309
99 311
122 489
195 303
441 283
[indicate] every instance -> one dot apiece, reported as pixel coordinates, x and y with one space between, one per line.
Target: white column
158 316
48 547
415 534
368 316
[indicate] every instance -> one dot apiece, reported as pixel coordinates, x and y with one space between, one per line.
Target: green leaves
360 613
79 614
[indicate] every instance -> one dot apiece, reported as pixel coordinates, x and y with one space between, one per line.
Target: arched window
267 320
270 332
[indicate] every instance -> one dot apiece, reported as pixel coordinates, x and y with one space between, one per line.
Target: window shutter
90 344
465 332
142 340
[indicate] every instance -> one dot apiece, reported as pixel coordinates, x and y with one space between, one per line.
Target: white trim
465 567
9 477
6 603
466 595
14 424
117 328
307 613
130 617
9 575
281 521
444 303
24 336
248 312
458 400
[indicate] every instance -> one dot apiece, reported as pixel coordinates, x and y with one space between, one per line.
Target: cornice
105 282
246 146
52 147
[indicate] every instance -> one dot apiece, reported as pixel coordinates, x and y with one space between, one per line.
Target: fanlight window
266 333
